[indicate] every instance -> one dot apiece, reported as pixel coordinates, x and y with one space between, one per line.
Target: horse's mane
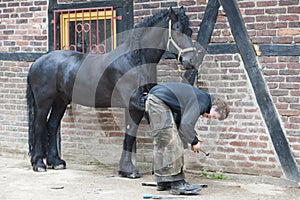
148 22
184 19
138 31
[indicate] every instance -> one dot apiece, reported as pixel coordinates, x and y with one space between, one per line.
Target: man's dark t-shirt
186 101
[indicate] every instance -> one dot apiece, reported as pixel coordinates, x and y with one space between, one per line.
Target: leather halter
180 50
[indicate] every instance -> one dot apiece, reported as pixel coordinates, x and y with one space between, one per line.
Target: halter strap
180 50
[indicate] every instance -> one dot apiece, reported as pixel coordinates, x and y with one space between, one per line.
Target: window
88 30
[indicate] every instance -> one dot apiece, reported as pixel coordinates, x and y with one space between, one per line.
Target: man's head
219 109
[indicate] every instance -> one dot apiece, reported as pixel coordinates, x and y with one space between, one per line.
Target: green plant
216 175
219 176
205 174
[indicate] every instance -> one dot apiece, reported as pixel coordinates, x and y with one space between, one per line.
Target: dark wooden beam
279 49
263 97
29 57
204 35
222 49
263 50
208 23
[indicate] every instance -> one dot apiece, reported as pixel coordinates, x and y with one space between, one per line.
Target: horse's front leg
127 168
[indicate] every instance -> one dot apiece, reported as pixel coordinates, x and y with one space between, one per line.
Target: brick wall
240 144
23 26
13 116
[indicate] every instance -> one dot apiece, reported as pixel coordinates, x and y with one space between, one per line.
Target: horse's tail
31 115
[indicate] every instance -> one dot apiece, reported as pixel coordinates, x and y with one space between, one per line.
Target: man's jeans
168 150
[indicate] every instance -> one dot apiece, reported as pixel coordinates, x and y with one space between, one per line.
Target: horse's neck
154 38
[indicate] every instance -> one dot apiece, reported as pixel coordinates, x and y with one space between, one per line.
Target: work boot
162 186
182 187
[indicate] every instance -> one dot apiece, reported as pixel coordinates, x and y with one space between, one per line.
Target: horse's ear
172 15
182 10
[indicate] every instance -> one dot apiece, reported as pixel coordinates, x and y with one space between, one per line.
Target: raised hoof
132 175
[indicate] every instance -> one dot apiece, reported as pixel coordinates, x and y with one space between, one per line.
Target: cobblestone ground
82 181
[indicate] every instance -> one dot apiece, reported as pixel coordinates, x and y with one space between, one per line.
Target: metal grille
88 30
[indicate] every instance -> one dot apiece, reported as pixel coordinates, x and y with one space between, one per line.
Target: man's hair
222 107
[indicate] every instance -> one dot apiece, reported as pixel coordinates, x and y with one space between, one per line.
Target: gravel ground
83 181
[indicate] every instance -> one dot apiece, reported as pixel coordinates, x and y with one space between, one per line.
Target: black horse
61 77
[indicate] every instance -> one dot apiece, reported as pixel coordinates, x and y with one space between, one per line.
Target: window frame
123 9
82 15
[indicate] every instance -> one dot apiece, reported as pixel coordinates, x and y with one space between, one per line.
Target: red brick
247 137
289 112
276 25
258 144
266 3
246 4
289 86
266 18
294 9
276 11
279 92
237 157
254 11
227 136
257 158
288 18
261 40
238 143
295 79
288 32
294 25
288 2
295 93
226 149
266 33
187 3
245 164
282 40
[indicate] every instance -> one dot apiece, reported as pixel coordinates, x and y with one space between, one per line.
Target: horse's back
50 71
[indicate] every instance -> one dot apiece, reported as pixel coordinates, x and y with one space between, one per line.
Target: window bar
90 32
54 24
62 46
97 31
112 29
104 27
75 31
69 42
82 31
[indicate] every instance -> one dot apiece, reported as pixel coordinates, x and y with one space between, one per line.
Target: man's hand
197 147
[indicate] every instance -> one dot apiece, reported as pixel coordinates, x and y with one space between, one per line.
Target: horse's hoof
39 169
132 175
59 167
39 166
56 163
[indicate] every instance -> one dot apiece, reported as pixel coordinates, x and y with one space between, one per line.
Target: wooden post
204 35
263 97
208 23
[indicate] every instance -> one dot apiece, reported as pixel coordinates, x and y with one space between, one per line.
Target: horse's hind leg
40 139
58 109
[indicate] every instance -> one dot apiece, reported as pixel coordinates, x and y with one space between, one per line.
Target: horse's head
180 42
